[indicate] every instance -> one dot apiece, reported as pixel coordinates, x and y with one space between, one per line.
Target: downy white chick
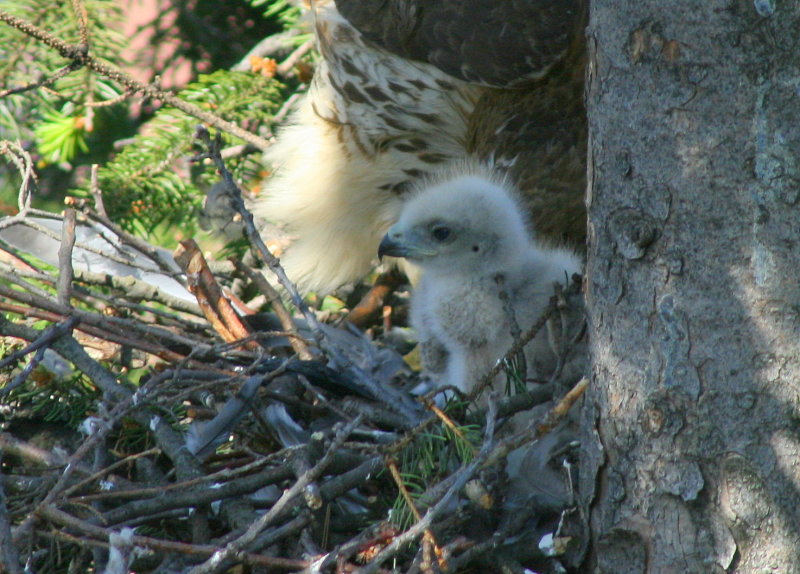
467 233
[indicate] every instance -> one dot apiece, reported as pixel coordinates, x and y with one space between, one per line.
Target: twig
516 403
274 298
352 546
43 82
103 332
153 253
518 360
37 455
286 66
554 306
64 284
69 348
110 102
135 290
266 47
108 469
116 329
550 421
24 163
81 16
429 539
23 375
47 336
40 345
216 308
97 193
287 107
448 422
150 500
301 463
253 236
148 250
515 350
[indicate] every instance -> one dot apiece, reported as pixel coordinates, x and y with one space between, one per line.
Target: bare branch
216 308
24 163
65 257
43 82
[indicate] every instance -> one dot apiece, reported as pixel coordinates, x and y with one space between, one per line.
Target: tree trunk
691 434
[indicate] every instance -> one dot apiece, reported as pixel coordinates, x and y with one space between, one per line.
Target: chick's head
465 224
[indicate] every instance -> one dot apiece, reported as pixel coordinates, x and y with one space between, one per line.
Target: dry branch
216 308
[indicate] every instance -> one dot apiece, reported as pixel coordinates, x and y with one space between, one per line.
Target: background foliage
143 148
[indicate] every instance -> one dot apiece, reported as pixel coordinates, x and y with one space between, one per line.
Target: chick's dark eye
440 233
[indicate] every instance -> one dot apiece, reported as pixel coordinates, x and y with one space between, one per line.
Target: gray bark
691 434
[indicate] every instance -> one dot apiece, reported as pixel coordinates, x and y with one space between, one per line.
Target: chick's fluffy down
482 275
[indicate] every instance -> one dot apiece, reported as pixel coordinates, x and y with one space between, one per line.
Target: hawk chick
483 276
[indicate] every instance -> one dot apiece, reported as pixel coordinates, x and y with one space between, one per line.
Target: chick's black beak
391 247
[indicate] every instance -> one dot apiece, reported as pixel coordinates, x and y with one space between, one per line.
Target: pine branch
80 56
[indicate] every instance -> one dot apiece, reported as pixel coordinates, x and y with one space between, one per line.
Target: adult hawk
405 87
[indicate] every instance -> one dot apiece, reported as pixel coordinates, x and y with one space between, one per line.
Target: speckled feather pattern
371 123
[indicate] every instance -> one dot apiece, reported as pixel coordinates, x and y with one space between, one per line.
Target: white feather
458 304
